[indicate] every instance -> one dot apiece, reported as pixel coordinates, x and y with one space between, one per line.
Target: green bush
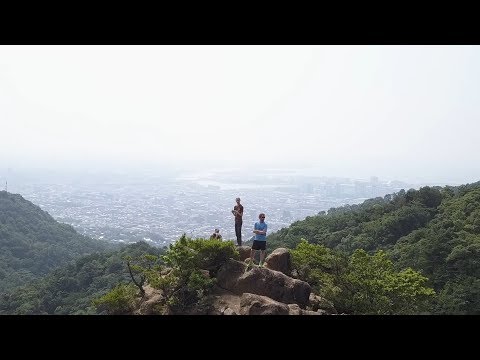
318 265
120 300
372 286
186 284
362 283
212 253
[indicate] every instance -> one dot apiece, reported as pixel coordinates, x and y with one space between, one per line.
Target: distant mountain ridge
32 243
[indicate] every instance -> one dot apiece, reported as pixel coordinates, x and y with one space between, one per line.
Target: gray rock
252 304
244 252
280 260
275 285
294 309
229 311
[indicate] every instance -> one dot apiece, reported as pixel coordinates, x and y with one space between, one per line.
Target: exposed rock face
294 309
318 303
253 304
262 281
269 290
229 311
148 303
244 252
280 260
309 312
224 302
229 273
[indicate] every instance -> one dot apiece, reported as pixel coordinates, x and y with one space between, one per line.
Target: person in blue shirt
259 241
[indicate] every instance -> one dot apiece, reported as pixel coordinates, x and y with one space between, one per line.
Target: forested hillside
412 252
72 288
32 243
432 230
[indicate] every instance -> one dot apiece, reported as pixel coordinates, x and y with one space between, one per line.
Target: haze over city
408 113
239 180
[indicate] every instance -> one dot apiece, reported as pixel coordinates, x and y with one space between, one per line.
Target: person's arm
256 231
262 232
265 231
236 212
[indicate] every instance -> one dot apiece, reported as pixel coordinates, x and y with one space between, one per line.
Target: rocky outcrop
241 291
253 304
224 302
229 273
294 309
244 252
280 260
263 281
229 311
318 303
149 304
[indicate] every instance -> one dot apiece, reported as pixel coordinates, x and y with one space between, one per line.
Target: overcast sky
404 112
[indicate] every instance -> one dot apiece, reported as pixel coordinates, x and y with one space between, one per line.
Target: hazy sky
402 112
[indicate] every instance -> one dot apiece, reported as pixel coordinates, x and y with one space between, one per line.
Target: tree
120 300
319 266
141 266
191 263
372 286
362 283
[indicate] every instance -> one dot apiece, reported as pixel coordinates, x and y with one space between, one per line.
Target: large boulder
253 304
280 260
148 305
244 252
229 311
229 273
294 309
263 281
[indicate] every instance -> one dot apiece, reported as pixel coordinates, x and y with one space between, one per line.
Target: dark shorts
259 245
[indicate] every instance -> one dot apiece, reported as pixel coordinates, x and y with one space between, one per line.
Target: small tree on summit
187 282
141 267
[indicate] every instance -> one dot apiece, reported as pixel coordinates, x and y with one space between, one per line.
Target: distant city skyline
397 112
159 210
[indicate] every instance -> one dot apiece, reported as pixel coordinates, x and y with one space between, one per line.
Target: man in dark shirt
238 213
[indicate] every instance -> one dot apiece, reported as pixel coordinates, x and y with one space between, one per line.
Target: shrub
119 300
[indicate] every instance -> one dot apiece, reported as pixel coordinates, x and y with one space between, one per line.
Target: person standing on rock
238 213
259 241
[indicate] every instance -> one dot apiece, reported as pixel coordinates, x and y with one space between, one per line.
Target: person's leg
238 233
250 263
262 257
239 236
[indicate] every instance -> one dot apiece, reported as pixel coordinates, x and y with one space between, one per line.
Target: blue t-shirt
262 227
